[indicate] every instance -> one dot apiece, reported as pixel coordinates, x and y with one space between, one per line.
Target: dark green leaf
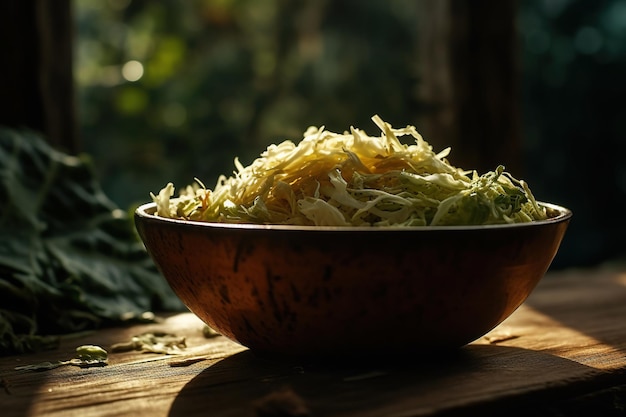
70 259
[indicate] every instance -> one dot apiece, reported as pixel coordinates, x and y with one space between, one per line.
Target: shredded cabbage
352 179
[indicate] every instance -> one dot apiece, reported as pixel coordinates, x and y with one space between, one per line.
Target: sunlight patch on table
531 329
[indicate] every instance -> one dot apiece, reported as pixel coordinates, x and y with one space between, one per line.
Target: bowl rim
146 211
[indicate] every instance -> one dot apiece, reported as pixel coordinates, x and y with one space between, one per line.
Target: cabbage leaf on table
70 260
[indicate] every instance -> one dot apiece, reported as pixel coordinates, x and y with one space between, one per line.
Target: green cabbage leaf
70 259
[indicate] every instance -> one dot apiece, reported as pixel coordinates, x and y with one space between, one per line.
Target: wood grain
567 342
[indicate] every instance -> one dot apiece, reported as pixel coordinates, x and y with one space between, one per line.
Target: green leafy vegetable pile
353 179
70 260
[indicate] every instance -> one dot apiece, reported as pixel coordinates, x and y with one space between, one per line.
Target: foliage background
574 61
226 78
173 90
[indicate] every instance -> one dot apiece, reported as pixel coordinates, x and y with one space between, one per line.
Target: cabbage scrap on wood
353 179
69 258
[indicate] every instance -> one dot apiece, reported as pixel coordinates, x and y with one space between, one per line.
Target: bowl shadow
473 379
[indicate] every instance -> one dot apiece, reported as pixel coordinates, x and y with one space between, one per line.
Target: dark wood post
469 81
36 77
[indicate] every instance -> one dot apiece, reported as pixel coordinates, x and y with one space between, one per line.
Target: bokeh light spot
588 40
132 71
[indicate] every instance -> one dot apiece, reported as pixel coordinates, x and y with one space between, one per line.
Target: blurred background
172 90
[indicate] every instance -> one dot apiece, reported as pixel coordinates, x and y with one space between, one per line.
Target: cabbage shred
352 179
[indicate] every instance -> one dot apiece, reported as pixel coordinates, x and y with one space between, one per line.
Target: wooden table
562 352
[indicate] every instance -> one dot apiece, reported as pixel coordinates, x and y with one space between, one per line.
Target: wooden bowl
317 291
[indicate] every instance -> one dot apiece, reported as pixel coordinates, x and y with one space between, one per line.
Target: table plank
568 340
578 315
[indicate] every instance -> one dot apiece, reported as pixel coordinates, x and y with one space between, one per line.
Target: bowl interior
556 214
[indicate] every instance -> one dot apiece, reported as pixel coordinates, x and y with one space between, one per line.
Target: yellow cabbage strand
331 179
